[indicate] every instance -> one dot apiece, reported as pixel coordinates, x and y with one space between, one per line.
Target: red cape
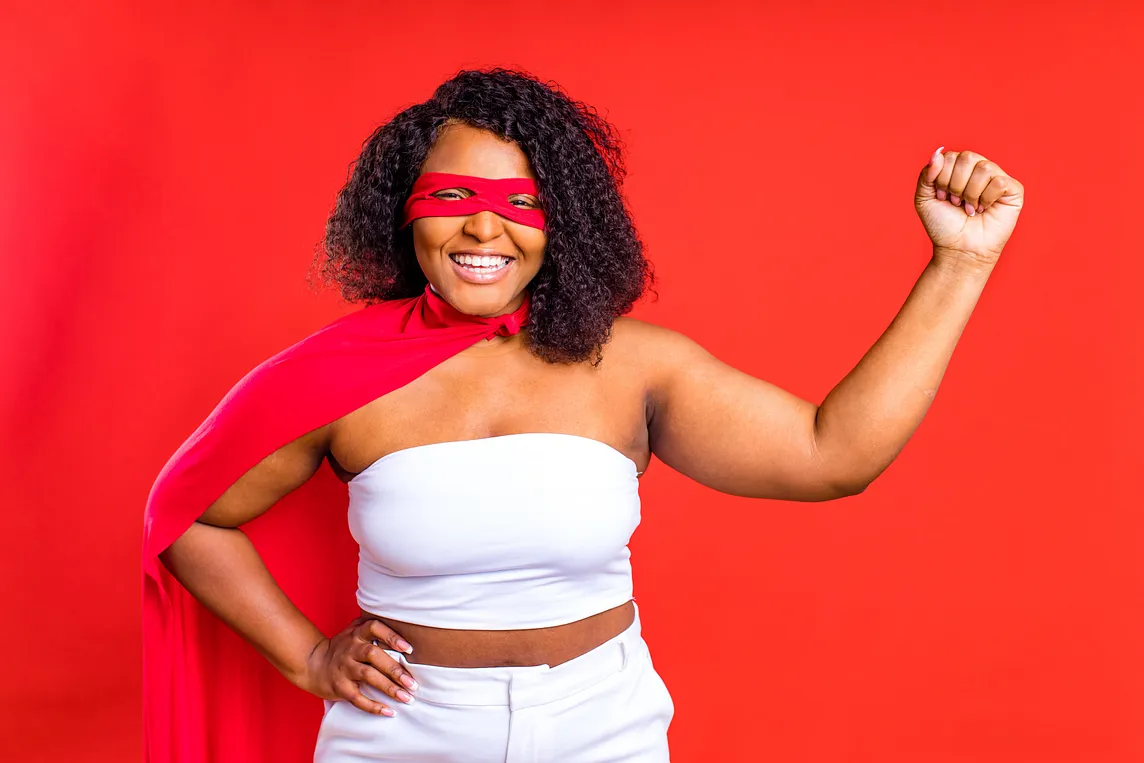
207 694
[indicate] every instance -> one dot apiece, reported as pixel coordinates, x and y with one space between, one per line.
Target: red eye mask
488 193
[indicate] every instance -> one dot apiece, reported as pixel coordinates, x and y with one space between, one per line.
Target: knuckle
378 683
376 693
378 688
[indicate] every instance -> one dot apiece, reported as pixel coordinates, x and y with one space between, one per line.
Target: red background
164 177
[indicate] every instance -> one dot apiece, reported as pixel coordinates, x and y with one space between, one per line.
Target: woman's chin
482 299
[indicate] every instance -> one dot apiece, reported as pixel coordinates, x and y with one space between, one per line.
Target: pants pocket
663 695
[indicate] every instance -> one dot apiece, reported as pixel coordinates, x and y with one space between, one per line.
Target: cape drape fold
207 695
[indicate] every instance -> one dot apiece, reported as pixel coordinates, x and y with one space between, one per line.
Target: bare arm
867 418
218 564
744 436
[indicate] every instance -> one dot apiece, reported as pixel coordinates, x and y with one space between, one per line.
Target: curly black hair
594 267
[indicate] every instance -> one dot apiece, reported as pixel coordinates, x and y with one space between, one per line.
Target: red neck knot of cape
436 312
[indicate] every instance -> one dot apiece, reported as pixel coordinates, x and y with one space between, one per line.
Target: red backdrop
165 176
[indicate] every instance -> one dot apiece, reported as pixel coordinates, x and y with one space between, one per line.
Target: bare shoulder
655 349
634 333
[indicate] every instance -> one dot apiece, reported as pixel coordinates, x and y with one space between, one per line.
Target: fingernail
388 711
404 646
408 682
969 208
404 696
936 154
955 199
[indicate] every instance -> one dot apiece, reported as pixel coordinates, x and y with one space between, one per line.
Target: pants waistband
527 686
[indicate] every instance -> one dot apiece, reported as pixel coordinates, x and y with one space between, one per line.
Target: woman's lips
481 275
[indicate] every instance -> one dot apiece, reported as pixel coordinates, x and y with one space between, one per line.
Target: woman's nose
484 225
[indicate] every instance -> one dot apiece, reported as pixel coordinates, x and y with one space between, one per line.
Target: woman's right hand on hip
338 666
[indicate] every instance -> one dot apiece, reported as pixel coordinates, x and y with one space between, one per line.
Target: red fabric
488 193
209 696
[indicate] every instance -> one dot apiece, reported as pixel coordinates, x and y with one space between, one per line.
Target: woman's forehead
466 150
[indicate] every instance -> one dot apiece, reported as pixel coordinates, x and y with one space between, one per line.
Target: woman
493 481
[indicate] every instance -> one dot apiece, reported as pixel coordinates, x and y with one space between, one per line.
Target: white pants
605 706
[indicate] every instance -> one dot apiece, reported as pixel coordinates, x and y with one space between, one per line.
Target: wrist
963 265
304 675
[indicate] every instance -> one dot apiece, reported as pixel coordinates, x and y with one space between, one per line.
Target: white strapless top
515 531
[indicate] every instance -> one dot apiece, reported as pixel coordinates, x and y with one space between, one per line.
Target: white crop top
498 533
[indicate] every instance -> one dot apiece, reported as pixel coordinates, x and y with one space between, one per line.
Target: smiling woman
492 411
486 237
514 199
567 231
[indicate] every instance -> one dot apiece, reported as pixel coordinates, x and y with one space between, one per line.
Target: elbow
845 488
821 492
839 477
835 492
853 479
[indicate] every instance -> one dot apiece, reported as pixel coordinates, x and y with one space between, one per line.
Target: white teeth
475 261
